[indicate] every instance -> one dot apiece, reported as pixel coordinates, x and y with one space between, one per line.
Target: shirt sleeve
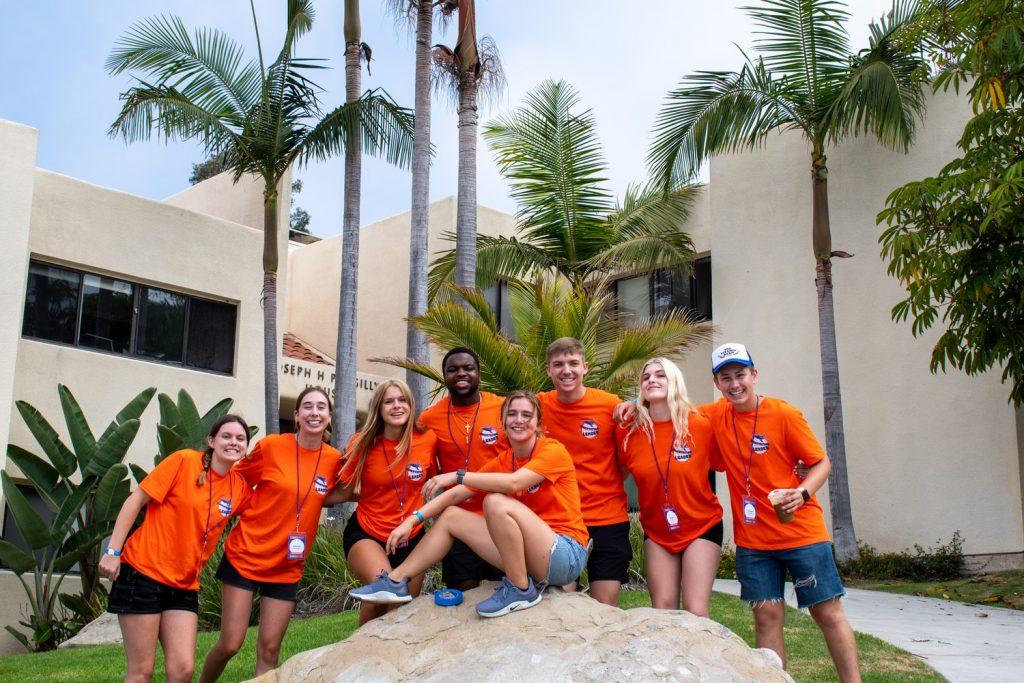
800 439
251 467
551 462
492 465
162 478
244 498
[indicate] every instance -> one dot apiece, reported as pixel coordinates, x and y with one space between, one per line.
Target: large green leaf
84 539
76 604
169 413
42 475
132 411
219 409
19 636
82 439
107 502
168 440
68 512
138 473
64 563
113 447
17 559
32 527
191 422
59 454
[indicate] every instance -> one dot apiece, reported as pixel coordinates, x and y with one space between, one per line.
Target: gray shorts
568 558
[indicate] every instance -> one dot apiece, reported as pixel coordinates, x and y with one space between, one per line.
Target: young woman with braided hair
189 498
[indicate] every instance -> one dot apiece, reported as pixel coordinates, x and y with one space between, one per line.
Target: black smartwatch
460 474
805 494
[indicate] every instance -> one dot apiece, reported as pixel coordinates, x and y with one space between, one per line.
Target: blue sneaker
508 598
383 590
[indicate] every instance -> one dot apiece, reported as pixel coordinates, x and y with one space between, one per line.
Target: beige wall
16 184
928 454
315 277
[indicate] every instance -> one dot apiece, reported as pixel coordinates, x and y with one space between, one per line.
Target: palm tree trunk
835 441
416 341
344 419
465 223
270 388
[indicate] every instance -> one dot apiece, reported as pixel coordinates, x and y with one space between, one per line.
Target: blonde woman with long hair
386 464
669 449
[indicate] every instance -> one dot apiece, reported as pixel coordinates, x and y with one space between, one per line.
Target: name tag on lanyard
296 546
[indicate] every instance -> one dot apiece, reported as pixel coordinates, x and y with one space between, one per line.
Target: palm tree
566 220
805 78
543 311
263 118
344 419
470 71
421 14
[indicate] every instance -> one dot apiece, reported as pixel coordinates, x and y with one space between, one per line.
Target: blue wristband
111 551
419 516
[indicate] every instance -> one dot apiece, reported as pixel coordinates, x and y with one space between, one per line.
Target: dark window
497 297
106 314
116 316
211 336
161 324
51 303
638 298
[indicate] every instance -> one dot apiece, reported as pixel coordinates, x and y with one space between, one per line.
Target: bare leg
768 620
664 571
831 619
606 592
140 634
178 638
453 523
700 564
523 539
368 559
274 617
236 606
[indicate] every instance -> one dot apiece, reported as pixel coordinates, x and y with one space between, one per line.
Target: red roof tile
298 349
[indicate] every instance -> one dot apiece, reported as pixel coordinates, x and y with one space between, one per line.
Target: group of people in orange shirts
526 490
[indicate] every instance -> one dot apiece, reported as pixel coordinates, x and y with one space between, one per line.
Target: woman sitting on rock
387 463
669 448
532 526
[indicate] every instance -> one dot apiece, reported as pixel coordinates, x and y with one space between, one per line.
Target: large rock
103 630
567 637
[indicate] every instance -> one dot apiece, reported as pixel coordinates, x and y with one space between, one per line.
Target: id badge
749 510
671 517
296 546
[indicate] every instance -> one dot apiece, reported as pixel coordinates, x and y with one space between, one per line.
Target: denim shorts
568 558
762 574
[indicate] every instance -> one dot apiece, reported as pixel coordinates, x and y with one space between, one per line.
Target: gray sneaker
383 590
508 598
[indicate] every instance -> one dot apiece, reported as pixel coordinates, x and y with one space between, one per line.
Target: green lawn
809 660
1002 589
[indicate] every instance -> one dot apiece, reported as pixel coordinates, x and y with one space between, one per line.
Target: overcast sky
621 56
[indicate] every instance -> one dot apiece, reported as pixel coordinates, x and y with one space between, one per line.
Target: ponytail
207 462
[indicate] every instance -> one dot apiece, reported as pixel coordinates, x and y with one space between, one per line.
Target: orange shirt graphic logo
589 429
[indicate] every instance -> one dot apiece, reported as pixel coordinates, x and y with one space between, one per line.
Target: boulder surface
567 637
103 630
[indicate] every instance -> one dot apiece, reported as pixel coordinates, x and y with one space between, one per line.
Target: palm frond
507 259
209 69
804 42
550 154
715 112
416 366
883 91
384 127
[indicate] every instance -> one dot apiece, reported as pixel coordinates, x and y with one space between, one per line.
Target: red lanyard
735 435
668 463
394 482
299 505
471 427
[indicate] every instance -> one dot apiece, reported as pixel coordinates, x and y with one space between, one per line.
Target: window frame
136 309
704 260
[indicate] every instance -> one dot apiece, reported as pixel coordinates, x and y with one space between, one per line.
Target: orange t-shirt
685 467
258 545
462 449
169 546
390 494
556 500
782 437
587 430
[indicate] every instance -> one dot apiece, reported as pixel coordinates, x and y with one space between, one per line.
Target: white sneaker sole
511 607
382 598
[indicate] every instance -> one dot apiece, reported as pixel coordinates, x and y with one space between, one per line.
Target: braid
207 461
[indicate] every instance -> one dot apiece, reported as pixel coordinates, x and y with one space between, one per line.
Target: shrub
944 561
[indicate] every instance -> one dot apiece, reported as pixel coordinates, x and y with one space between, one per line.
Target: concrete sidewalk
952 637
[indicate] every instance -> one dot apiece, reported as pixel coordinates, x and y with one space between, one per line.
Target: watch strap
459 476
805 494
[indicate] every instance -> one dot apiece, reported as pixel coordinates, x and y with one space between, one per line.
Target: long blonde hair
679 406
372 431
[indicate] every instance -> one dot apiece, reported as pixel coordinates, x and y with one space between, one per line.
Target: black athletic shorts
135 593
227 573
462 564
610 557
354 532
715 534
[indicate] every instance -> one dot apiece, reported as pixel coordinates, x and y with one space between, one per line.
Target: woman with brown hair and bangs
386 464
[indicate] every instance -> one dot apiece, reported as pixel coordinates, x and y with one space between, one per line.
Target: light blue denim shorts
568 558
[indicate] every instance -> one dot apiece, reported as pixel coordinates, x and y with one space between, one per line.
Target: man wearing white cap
778 524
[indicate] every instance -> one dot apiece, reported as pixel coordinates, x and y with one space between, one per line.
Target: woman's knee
229 644
269 649
139 671
180 670
495 503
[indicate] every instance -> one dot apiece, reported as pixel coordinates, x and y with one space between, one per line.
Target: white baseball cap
730 353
